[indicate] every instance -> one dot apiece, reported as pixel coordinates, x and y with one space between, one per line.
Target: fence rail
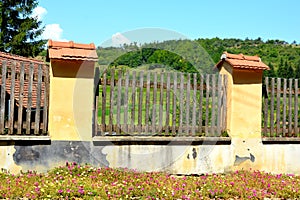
24 98
163 104
281 108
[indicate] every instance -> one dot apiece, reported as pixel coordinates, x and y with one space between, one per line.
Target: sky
97 21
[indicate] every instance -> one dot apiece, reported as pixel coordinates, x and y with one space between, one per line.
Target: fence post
71 101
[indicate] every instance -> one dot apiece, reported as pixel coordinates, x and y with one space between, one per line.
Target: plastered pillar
244 107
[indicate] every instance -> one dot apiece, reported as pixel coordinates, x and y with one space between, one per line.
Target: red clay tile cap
242 61
71 51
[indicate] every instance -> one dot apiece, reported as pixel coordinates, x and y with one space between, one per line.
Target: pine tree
271 72
19 29
285 70
297 71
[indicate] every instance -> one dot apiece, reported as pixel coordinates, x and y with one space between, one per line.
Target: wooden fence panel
166 104
24 98
284 99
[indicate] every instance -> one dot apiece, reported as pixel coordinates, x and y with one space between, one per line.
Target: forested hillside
202 54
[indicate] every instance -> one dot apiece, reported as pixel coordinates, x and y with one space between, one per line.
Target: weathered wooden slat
272 107
224 110
46 100
296 130
140 105
284 107
161 102
133 93
125 128
96 100
174 115
12 99
147 119
104 91
213 104
207 107
194 104
187 109
154 103
20 109
290 106
278 106
219 106
29 103
168 105
111 100
266 104
3 97
200 105
119 98
38 100
181 91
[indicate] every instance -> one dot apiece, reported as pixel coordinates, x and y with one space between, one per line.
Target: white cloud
39 12
54 32
119 39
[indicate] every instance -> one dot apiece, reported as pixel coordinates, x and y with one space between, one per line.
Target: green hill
202 54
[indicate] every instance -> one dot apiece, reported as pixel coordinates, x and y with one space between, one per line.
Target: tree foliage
19 29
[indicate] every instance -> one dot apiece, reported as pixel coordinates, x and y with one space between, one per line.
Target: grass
74 181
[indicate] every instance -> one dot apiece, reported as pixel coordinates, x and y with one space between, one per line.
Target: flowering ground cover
74 181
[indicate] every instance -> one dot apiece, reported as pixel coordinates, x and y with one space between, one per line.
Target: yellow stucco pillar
244 107
244 96
71 90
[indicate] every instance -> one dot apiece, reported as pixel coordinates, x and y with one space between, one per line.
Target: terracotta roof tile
242 61
71 51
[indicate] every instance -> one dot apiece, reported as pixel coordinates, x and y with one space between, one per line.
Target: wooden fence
24 98
280 108
162 104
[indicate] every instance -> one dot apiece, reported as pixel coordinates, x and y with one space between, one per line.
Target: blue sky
98 20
